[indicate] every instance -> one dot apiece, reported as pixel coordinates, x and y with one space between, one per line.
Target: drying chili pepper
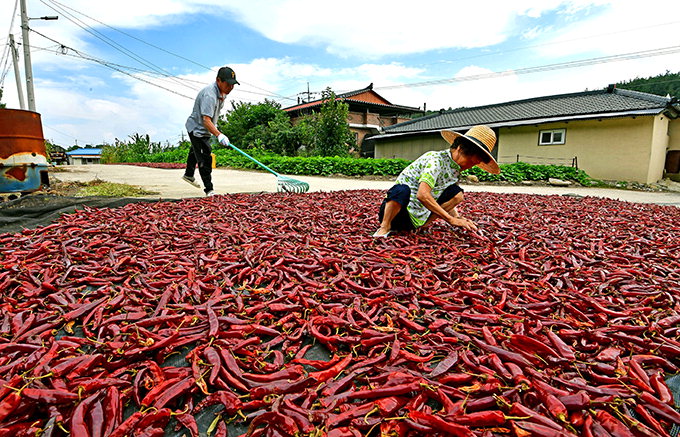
612 425
662 409
173 391
332 372
534 429
439 424
49 396
487 418
9 404
444 365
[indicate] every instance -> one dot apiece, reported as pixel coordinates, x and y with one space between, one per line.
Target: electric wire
543 68
64 50
6 52
118 68
268 92
109 41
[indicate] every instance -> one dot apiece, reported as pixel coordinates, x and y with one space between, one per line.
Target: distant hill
668 83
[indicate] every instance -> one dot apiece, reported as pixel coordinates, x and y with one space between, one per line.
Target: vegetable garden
278 315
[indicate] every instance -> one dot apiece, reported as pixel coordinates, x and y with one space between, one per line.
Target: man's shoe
210 193
192 181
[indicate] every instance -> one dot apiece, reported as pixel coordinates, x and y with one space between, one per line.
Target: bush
337 165
521 171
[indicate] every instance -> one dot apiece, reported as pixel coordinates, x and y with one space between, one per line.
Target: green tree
661 85
2 105
332 134
246 123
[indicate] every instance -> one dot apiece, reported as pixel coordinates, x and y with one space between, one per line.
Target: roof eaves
527 122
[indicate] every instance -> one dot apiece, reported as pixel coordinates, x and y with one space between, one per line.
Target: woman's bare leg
392 208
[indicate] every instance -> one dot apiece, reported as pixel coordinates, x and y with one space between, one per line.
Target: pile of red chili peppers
559 317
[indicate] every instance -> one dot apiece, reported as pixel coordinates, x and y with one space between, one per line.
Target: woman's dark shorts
401 194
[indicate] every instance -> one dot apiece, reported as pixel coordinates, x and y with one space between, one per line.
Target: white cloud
95 106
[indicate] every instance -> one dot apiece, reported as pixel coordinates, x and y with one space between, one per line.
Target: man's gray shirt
208 102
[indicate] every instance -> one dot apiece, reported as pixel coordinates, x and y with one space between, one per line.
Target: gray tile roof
608 102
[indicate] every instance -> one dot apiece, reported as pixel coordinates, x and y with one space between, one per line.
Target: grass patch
98 187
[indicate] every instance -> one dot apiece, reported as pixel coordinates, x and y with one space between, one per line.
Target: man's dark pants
199 153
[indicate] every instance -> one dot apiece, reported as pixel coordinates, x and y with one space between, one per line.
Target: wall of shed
627 149
409 148
674 134
624 149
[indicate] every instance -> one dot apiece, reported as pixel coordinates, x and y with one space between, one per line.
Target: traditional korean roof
606 103
365 97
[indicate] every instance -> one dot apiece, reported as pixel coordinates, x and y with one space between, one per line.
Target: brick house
369 112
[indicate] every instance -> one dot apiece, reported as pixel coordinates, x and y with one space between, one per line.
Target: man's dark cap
226 74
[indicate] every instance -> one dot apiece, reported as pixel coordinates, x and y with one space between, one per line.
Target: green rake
283 183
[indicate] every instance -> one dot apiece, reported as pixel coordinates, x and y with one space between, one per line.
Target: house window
554 136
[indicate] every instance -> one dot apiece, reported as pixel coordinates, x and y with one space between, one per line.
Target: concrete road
169 185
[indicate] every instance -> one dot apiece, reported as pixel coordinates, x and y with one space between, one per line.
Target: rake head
290 185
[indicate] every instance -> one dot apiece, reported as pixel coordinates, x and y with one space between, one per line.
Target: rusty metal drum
23 158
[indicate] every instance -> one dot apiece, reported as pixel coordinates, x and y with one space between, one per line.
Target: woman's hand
463 223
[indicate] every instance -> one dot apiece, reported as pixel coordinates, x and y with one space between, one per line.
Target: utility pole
27 58
17 73
308 94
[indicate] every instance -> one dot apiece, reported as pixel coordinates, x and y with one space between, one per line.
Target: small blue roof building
85 156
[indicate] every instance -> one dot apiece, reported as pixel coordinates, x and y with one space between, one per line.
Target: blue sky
477 53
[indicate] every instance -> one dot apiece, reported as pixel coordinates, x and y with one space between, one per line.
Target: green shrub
521 171
336 165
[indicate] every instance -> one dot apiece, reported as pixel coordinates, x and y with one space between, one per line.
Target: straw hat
482 137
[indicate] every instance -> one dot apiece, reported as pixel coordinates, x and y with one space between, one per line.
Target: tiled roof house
611 133
369 112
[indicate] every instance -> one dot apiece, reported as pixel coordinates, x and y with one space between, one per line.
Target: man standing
202 123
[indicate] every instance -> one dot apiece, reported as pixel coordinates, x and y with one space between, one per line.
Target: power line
550 43
65 51
109 41
6 50
131 36
269 93
543 68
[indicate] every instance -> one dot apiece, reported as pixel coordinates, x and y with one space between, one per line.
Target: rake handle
254 160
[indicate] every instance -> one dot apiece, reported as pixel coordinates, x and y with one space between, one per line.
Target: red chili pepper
524 428
562 348
213 358
527 344
554 406
152 421
9 404
456 378
576 401
173 391
444 365
661 389
613 425
113 406
226 398
49 396
324 375
489 418
520 410
503 354
440 424
189 422
274 420
647 417
664 410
